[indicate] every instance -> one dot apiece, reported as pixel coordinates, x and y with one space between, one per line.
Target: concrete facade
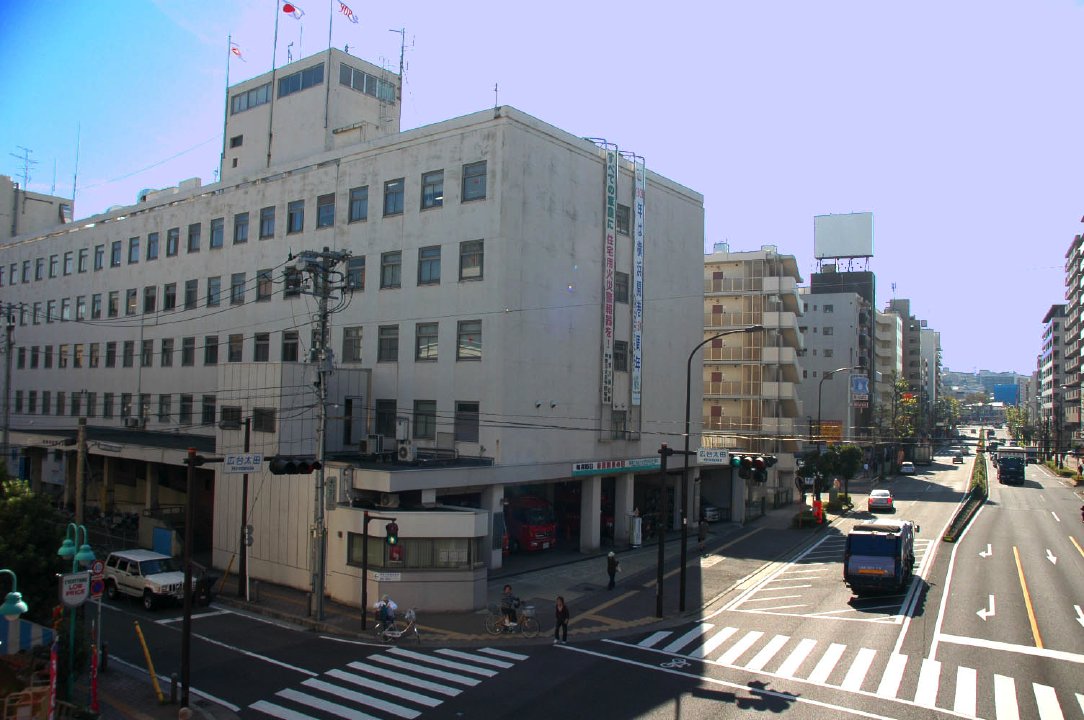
888 347
22 211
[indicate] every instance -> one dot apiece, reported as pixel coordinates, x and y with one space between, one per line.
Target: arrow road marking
987 552
984 613
1050 557
1079 615
1055 516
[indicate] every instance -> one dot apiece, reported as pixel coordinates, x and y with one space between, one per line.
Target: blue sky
955 123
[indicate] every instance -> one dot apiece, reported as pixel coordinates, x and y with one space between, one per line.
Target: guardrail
976 496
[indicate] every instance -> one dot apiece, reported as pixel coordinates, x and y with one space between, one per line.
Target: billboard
843 236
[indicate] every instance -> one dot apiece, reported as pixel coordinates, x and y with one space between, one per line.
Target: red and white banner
345 10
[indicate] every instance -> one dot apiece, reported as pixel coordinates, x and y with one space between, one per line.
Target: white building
505 326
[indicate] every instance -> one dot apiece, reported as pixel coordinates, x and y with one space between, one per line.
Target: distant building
1052 385
23 212
1008 394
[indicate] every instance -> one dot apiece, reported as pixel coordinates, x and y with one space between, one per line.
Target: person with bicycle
385 609
509 606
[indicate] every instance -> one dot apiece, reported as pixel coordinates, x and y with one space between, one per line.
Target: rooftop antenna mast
27 162
75 175
402 61
893 291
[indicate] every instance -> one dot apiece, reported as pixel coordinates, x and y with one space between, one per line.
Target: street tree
28 545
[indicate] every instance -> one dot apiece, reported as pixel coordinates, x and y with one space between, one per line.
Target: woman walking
560 627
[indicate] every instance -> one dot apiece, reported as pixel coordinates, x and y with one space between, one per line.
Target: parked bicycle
526 622
398 629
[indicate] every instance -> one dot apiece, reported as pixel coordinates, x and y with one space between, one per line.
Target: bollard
103 661
173 689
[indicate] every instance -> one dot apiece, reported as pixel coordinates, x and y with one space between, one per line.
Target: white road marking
827 663
286 714
945 592
413 667
777 607
440 662
739 648
381 685
767 652
697 631
257 656
713 642
654 638
857 672
386 674
893 675
1005 698
964 702
1009 647
362 699
928 678
1047 701
796 657
1055 516
475 658
774 597
791 587
503 653
1080 700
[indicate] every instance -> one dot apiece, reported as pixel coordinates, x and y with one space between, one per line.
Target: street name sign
242 464
712 456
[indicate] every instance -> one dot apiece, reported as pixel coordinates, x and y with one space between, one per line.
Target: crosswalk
862 669
396 683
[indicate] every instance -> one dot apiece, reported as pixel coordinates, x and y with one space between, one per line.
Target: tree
28 546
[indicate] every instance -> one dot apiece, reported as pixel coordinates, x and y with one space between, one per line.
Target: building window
169 296
352 344
69 263
237 141
214 291
81 308
152 246
264 285
466 422
291 283
146 354
469 345
133 250
240 228
210 350
474 181
173 241
128 354
828 331
387 349
131 298
65 309
425 419
92 404
391 264
150 299
829 308
263 420
77 355
235 349
267 223
165 407
81 263
359 204
621 356
289 345
325 211
35 357
61 355
393 196
185 415
114 253
429 265
110 355
295 217
301 80
231 416
20 363
76 404
208 410
432 189
218 232
36 314
471 257
249 99
261 347
47 358
363 82
425 342
622 219
188 351
166 358
107 405
355 273
237 289
621 287
50 311
191 293
384 421
618 425
54 265
828 352
39 270
194 231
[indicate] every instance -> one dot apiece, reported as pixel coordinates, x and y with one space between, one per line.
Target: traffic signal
770 460
745 470
293 465
760 472
392 531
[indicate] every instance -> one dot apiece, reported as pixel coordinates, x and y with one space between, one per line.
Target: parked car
145 574
907 468
958 459
880 500
710 513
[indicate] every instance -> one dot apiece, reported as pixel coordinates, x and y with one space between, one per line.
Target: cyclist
509 604
385 610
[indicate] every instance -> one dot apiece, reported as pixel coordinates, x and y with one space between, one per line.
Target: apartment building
750 380
503 303
888 348
921 366
1052 381
1074 330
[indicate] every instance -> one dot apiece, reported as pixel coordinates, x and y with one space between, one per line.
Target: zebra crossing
865 670
396 683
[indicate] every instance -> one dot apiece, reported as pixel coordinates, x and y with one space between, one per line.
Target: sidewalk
732 553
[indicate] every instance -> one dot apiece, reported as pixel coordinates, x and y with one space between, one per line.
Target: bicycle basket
410 615
528 611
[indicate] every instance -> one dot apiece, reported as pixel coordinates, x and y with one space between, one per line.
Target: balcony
779 391
780 355
777 426
733 286
733 354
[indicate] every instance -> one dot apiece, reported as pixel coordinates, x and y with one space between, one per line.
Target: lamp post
79 554
13 605
685 467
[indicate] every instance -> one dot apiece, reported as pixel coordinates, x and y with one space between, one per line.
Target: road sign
712 456
74 588
241 464
97 568
97 587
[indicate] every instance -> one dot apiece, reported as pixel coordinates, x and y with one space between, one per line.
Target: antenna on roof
496 101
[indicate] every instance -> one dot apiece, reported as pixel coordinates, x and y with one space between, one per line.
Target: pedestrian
1080 469
560 627
612 568
702 536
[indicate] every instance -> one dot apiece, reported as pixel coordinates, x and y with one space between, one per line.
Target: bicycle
397 630
527 623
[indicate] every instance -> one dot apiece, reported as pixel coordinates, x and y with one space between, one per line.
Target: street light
820 386
84 555
685 468
13 605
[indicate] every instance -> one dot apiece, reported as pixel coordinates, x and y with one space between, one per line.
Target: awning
18 635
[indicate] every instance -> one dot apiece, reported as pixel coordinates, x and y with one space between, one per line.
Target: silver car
880 500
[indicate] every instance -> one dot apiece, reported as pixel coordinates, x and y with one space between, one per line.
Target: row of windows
471 266
432 195
363 82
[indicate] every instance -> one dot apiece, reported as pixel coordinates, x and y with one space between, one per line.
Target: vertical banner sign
638 281
608 268
53 649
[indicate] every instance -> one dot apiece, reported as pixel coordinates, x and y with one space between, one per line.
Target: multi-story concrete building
888 349
503 304
919 368
750 380
22 211
1052 381
1074 332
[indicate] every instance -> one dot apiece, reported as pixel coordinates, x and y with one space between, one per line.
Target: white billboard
843 236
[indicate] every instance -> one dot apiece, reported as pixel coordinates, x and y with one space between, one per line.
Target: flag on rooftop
235 50
345 10
292 9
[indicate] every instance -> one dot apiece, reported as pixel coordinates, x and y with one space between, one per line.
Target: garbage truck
879 556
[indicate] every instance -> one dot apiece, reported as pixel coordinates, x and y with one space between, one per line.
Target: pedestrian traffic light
392 530
293 465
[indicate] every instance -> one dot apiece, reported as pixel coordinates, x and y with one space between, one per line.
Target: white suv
143 574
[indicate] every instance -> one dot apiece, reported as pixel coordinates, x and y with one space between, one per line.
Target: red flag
345 10
235 50
292 9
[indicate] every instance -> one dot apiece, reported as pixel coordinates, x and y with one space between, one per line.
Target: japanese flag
292 9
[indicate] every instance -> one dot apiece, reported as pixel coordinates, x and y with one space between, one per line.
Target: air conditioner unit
372 445
407 451
134 422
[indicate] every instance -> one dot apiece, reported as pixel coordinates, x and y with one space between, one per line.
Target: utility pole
242 569
320 266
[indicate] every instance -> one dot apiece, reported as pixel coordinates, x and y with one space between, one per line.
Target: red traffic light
287 465
758 463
